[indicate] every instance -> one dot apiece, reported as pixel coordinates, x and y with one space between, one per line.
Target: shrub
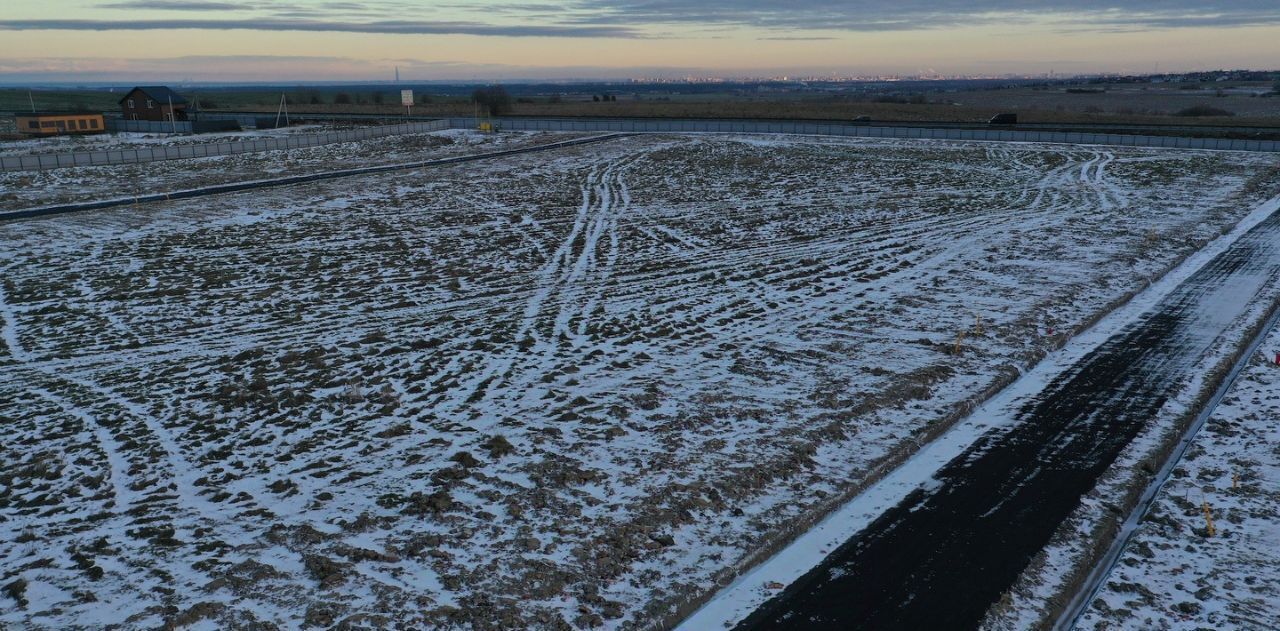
494 99
1204 110
915 99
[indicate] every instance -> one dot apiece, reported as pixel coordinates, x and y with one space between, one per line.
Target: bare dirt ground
1137 101
554 391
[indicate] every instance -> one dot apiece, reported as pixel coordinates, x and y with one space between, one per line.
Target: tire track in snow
615 200
117 465
9 330
558 280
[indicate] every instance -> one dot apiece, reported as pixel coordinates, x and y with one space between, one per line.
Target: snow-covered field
555 390
1173 574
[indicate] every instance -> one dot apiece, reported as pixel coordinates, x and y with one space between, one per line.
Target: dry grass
1135 107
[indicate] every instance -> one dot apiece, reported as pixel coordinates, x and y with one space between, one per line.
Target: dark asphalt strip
942 557
220 189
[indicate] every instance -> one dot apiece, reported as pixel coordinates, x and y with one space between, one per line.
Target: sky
486 40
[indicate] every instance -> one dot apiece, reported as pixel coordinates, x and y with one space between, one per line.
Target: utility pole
173 119
284 107
33 101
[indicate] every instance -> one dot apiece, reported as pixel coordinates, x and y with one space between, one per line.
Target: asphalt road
940 558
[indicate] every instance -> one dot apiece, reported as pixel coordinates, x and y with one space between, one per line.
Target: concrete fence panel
50 161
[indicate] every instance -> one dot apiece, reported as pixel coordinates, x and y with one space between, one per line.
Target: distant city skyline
331 40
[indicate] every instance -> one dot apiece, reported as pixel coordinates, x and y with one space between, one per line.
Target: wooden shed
59 123
153 103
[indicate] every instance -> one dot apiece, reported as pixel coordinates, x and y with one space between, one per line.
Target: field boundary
295 179
105 157
44 162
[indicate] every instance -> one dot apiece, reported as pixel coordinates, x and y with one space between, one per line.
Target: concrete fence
148 127
872 131
250 121
43 162
246 119
177 152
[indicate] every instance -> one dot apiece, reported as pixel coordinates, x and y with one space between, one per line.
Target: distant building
152 103
59 123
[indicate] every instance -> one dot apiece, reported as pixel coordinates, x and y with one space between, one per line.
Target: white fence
42 162
178 152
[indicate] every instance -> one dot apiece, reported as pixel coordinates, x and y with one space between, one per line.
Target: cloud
800 20
1188 20
903 15
795 38
391 27
297 68
174 5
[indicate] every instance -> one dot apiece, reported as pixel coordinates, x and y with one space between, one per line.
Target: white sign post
406 99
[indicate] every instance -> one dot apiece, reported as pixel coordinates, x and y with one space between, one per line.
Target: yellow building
59 123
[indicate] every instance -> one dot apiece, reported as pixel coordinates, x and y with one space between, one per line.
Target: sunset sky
315 40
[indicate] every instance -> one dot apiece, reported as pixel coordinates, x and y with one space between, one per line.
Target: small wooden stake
1209 530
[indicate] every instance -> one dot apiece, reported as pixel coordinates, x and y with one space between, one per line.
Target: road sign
406 97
